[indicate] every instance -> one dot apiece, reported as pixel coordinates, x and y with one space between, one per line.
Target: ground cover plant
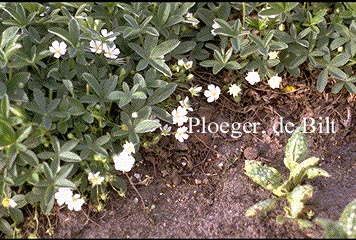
86 88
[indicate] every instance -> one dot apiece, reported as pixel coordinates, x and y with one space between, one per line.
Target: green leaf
263 206
30 157
23 133
298 61
208 63
146 126
116 95
296 199
348 219
161 94
164 48
162 114
139 50
296 149
5 107
3 90
267 177
63 34
69 145
350 87
161 67
16 215
70 157
337 72
337 87
331 228
7 134
163 12
93 83
7 35
48 200
316 172
47 171
322 80
339 60
62 182
74 31
64 171
6 228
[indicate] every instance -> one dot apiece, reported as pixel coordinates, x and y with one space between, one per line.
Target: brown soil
197 189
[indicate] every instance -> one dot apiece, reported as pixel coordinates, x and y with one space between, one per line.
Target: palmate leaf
267 177
296 149
263 207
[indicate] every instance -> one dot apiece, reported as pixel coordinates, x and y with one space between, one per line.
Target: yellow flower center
124 127
95 180
6 202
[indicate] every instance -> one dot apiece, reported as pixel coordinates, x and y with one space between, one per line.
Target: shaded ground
197 189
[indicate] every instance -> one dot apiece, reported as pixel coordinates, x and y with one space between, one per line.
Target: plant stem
50 95
142 202
243 14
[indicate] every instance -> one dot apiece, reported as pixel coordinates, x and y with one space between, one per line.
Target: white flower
274 82
137 176
129 147
75 203
181 62
234 90
63 195
188 65
190 76
105 33
191 19
212 93
282 27
185 104
95 179
273 55
124 161
111 52
195 90
253 77
181 134
8 202
216 25
58 48
166 130
340 49
134 115
162 58
96 46
179 116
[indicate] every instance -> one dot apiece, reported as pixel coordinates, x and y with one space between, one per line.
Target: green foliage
65 114
292 189
345 227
